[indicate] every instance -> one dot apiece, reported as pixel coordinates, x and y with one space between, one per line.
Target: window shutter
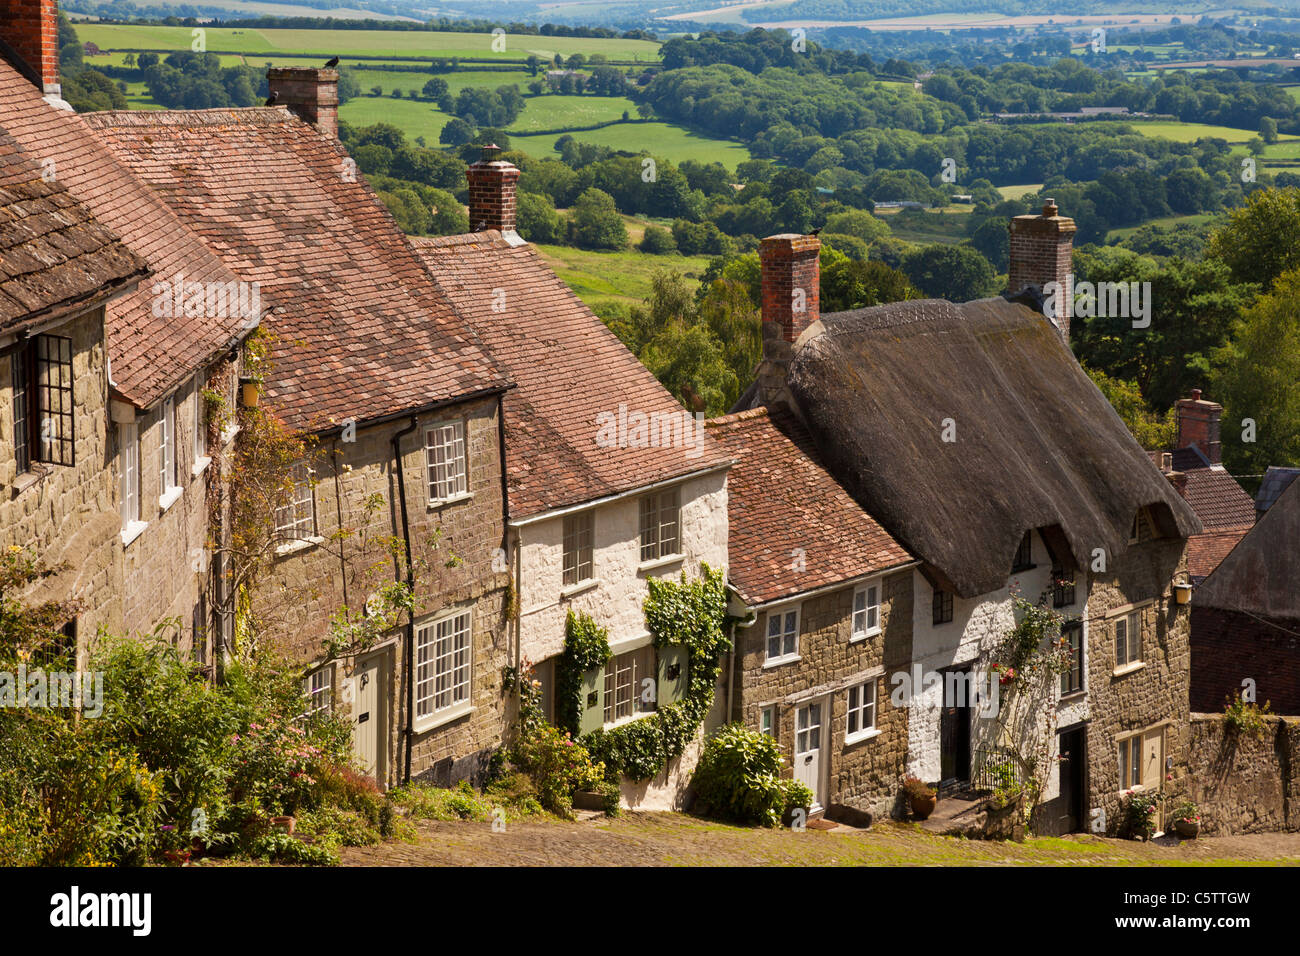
591 716
673 660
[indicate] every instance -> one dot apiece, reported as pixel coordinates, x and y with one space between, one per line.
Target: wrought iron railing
994 767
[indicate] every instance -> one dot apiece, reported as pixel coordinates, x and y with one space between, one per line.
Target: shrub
738 777
657 241
1245 718
916 789
558 765
1141 811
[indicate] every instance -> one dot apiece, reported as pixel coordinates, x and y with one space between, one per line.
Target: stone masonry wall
1128 700
1244 783
863 775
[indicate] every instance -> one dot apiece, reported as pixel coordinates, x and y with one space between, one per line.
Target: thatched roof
1259 577
1037 445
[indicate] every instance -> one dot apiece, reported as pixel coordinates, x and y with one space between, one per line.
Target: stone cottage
973 437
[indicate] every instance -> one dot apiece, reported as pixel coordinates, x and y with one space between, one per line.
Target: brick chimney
311 94
791 287
1042 248
1198 424
30 30
492 192
1179 480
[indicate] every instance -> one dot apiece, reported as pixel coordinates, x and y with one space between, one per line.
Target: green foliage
955 273
586 646
1248 718
1262 238
558 765
849 284
739 778
1142 812
657 241
595 222
537 220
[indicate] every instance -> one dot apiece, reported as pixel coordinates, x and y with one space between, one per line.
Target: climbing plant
586 646
691 614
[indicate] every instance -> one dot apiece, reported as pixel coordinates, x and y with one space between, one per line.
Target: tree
955 273
1268 130
1152 431
596 223
456 133
1255 377
657 241
1262 238
850 284
857 222
435 89
536 218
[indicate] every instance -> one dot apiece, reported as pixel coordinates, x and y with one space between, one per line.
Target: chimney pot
310 94
1179 480
1198 426
1166 461
492 182
31 29
1042 251
791 282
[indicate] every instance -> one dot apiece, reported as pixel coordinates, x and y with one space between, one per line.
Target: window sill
623 722
434 505
1072 696
169 498
779 661
859 638
1128 669
200 466
438 719
28 479
573 590
132 530
300 544
860 737
657 563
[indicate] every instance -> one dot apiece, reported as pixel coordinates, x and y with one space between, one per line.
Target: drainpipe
410 583
338 511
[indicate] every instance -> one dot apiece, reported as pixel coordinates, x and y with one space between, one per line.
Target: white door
368 717
808 750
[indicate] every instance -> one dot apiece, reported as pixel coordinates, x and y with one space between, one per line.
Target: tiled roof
569 369
792 527
1213 494
1205 551
151 355
1277 479
360 330
1259 577
52 252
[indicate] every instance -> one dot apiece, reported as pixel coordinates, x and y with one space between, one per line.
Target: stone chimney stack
1042 248
791 286
311 94
492 192
1198 425
30 29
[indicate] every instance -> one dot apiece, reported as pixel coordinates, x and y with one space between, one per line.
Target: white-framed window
296 518
1130 762
862 711
782 634
767 721
167 449
128 462
318 688
660 516
625 687
1128 638
200 422
443 662
444 450
866 610
579 550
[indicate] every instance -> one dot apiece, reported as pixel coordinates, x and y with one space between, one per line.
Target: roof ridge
731 418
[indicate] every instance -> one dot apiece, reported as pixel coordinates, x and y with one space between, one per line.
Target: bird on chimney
816 231
275 95
333 62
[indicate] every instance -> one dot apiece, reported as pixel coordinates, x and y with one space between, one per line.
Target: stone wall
68 513
1131 699
863 775
1243 783
455 547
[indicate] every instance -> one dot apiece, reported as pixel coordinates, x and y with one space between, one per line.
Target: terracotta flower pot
1187 829
922 807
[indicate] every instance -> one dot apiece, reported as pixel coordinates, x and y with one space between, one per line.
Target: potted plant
1142 812
921 798
1187 819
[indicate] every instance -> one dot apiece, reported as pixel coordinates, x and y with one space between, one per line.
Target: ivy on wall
688 613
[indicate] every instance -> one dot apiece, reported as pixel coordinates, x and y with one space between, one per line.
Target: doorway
369 726
808 749
954 731
1073 763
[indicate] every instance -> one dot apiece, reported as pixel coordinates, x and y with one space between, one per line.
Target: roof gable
1260 576
1033 444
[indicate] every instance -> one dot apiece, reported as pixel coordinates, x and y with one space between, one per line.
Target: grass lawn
1198 219
601 277
1015 192
327 43
413 117
1190 132
661 139
415 81
555 112
929 225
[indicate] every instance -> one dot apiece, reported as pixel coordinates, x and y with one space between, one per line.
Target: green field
1198 219
661 139
1190 132
566 112
624 277
1016 192
415 118
929 225
326 43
